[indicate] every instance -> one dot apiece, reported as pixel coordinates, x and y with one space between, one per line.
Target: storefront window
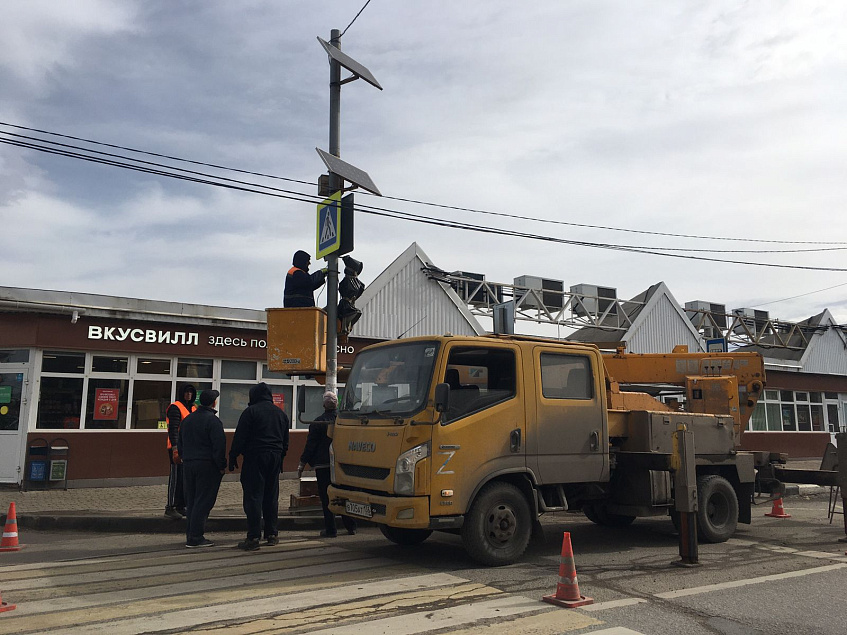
150 400
759 421
109 364
231 403
832 416
774 417
788 420
152 366
238 370
272 374
284 394
236 397
19 356
314 402
59 362
200 368
106 405
59 403
804 418
817 418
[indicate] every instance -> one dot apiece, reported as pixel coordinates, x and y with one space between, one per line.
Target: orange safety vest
184 412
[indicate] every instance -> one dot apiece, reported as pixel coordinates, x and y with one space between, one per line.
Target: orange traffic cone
778 511
6 607
567 589
10 531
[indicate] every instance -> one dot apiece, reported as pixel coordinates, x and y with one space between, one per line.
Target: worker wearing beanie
316 454
300 285
202 446
262 438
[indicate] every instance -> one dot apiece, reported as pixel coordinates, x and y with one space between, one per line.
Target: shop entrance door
12 423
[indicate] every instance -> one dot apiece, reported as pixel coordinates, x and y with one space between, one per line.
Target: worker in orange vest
300 285
177 411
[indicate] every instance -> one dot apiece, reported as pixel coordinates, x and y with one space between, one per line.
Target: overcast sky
722 119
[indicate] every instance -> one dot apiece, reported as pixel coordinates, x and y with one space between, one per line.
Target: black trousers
176 497
202 481
260 488
322 474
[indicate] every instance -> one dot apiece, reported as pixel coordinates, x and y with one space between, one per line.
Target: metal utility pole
339 171
335 183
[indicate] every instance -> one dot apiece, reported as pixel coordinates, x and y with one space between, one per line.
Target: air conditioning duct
551 293
590 299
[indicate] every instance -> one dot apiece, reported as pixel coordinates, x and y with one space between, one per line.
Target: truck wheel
598 515
717 513
498 526
405 537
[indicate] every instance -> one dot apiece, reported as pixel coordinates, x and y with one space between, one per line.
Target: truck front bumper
397 511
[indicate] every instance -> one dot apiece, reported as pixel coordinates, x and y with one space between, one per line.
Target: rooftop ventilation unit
709 318
474 292
589 299
550 291
753 319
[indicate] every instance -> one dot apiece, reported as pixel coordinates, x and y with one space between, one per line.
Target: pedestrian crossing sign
329 226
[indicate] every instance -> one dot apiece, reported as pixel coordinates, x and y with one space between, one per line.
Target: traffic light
349 290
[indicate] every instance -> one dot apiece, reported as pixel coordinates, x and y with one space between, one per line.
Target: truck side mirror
442 397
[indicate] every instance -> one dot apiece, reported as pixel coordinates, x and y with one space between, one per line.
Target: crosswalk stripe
139 561
612 604
431 620
176 619
373 608
232 561
740 583
259 582
553 622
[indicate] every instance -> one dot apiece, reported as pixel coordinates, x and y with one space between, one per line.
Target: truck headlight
404 471
331 464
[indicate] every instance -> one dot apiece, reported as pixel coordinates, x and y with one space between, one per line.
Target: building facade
97 373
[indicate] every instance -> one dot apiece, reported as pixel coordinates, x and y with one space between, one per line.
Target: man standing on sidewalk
316 454
262 438
202 446
176 412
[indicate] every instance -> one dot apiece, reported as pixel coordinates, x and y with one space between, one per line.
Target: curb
149 524
793 489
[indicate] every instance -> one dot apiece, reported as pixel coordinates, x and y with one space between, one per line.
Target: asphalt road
776 576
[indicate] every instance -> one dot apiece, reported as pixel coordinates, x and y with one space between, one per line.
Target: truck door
568 437
482 432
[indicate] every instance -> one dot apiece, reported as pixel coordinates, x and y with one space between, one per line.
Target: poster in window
106 404
279 401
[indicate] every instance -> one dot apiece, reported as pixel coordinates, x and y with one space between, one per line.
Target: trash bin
47 464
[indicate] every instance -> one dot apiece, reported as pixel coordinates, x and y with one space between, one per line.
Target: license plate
359 509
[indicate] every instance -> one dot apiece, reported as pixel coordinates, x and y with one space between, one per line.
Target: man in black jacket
300 285
316 454
176 412
262 438
202 446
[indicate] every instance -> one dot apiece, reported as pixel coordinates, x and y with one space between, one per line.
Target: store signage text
116 333
218 340
155 336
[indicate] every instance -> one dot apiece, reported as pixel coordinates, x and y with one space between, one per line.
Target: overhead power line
198 177
356 18
436 205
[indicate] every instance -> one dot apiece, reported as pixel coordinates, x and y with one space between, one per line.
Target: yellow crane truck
481 435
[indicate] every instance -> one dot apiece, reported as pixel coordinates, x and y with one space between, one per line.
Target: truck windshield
390 380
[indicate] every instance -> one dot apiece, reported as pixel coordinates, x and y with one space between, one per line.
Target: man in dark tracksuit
262 438
316 454
300 285
202 446
176 412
